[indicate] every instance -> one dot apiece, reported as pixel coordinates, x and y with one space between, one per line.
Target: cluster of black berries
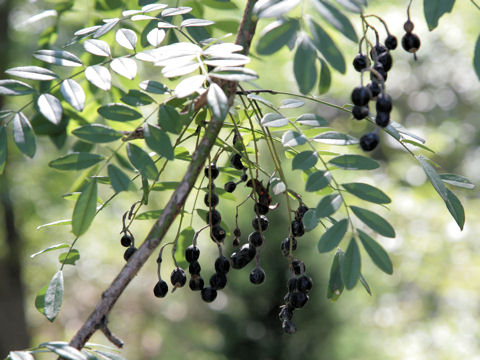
213 219
410 41
236 162
128 241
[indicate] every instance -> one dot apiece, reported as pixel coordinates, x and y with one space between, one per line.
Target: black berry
126 240
260 222
194 268
361 96
285 246
129 252
244 177
377 50
391 42
374 88
408 26
160 289
285 313
218 233
360 62
218 281
382 119
257 276
213 197
298 299
260 209
255 238
369 141
215 216
209 294
196 284
236 161
360 112
302 209
178 277
386 60
292 284
237 232
289 327
378 67
410 42
297 228
383 103
230 186
298 267
212 168
304 283
192 253
222 265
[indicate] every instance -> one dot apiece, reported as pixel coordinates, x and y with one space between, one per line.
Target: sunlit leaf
153 87
124 66
99 76
69 258
457 180
217 101
109 25
176 11
50 248
233 73
156 36
328 205
97 47
73 94
158 141
85 209
318 180
312 120
20 355
126 38
14 87
274 120
32 73
335 138
23 135
142 161
56 223
50 107
58 57
189 85
54 296
293 138
275 9
196 22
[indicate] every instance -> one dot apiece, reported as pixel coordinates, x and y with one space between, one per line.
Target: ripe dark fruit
213 199
386 60
216 217
410 42
218 233
297 228
213 169
244 177
369 141
285 246
230 186
382 119
129 252
218 281
378 67
374 88
194 268
285 313
242 257
302 209
383 103
222 265
377 50
292 284
260 222
236 162
237 232
304 283
196 284
360 62
298 267
360 112
298 299
255 238
209 294
178 277
257 276
126 240
260 209
160 289
361 96
192 253
391 42
289 327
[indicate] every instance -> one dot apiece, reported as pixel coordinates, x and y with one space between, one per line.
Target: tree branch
244 37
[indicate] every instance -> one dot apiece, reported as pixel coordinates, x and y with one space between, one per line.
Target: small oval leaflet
274 120
118 112
85 209
367 192
32 73
196 22
96 133
376 252
354 162
350 265
156 36
328 205
318 180
23 135
153 87
75 161
110 24
15 88
374 221
293 138
54 296
124 66
126 38
97 47
50 107
176 11
312 120
335 138
58 57
73 94
332 236
304 160
99 76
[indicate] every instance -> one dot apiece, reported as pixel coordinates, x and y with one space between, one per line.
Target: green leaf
20 355
137 98
433 177
354 162
50 107
376 252
327 47
434 9
332 237
158 141
363 281
352 5
335 138
367 192
293 138
318 180
73 94
54 296
85 209
311 120
32 73
350 265
3 148
182 154
456 208
109 25
457 180
233 74
40 300
304 160
149 215
118 112
415 143
476 58
99 76
169 119
184 240
166 185
328 205
304 66
217 101
275 8
153 87
291 104
142 161
75 161
64 350
325 78
69 258
335 283
58 57
15 88
310 220
23 135
97 133
120 181
273 120
336 19
56 223
374 221
50 248
276 35
126 38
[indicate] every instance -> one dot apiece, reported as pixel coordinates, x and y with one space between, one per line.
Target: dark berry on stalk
297 228
218 233
222 265
244 177
289 327
178 277
360 62
374 88
242 257
160 289
383 103
230 186
377 50
298 299
378 67
218 281
126 240
408 26
292 284
302 209
298 266
257 276
196 284
255 238
216 217
369 141
236 161
237 232
361 96
194 268
260 209
386 60
213 197
260 222
213 169
410 42
285 245
360 112
391 42
285 313
236 242
304 283
192 253
382 119
209 294
129 252
249 251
